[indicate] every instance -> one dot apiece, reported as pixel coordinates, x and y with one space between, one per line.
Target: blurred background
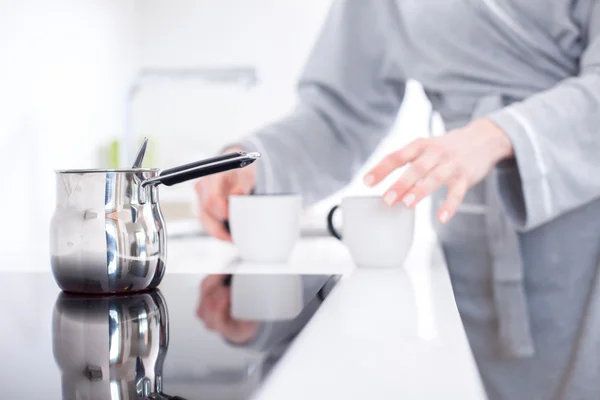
82 81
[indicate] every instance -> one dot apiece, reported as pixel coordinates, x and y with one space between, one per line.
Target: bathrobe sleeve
556 139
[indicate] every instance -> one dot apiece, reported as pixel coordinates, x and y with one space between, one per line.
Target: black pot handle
202 168
330 226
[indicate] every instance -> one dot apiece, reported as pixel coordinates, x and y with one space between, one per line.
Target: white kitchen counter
311 256
381 333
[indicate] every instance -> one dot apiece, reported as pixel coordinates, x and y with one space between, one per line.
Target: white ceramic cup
266 297
376 234
265 228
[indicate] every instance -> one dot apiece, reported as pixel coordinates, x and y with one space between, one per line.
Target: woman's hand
213 192
458 160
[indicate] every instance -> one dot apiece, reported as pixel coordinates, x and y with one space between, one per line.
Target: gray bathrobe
523 250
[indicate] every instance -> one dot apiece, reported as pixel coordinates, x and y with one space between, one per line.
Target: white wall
65 66
191 119
271 35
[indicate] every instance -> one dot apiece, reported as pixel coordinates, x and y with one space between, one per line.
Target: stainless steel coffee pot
108 233
111 347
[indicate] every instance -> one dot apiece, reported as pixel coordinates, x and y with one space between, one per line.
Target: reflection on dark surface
111 347
214 309
219 339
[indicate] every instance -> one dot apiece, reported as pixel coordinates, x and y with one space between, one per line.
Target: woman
518 86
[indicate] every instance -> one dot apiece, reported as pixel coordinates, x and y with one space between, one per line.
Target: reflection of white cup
266 297
376 234
265 228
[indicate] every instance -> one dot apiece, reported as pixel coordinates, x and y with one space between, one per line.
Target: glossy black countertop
197 337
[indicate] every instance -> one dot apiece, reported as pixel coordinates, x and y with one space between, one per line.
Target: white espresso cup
265 228
376 234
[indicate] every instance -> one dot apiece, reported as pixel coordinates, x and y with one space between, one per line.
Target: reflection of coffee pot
111 347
